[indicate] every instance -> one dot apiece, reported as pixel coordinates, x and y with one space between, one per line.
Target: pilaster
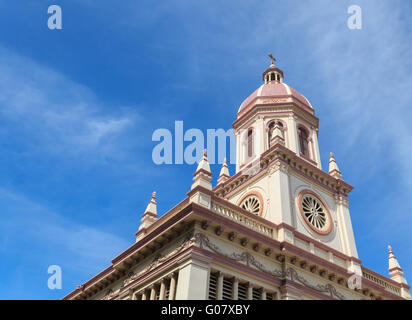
193 280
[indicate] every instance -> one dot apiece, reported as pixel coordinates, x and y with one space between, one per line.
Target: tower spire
333 167
148 218
203 175
397 274
224 173
395 269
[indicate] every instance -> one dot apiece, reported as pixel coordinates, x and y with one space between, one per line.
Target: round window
315 213
251 204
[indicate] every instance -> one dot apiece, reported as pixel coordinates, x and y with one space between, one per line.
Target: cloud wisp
49 238
53 114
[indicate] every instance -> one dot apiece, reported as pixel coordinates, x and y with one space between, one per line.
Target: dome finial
272 59
272 73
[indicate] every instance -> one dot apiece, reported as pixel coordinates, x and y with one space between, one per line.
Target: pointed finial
395 269
396 273
204 162
203 175
224 173
272 73
149 217
152 206
333 167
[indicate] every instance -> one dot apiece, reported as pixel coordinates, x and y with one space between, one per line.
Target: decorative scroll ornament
249 260
327 288
159 259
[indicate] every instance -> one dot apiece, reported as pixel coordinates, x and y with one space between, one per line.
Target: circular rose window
252 204
315 213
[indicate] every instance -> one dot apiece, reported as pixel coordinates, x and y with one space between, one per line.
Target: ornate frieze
249 260
329 289
159 259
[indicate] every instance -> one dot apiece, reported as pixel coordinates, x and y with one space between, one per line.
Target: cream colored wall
193 274
298 185
280 189
230 248
261 139
193 281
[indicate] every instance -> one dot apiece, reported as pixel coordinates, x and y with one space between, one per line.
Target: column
193 281
152 292
162 289
280 196
238 156
292 135
263 295
316 147
261 132
219 293
235 289
144 295
133 295
172 290
345 229
250 291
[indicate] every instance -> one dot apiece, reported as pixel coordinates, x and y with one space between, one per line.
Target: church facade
278 229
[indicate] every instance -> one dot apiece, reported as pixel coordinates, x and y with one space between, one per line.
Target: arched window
250 143
272 127
303 142
270 133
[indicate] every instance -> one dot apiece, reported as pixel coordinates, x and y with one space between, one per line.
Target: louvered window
157 292
227 289
256 294
270 296
212 287
167 289
242 291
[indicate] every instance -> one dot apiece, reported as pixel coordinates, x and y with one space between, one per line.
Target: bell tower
279 176
276 111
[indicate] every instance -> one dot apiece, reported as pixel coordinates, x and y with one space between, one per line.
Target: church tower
279 172
277 229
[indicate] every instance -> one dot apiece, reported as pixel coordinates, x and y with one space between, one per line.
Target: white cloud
56 114
48 237
371 80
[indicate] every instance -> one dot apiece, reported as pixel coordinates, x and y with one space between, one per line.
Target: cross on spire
272 58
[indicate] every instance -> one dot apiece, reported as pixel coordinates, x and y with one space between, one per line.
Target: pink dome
274 89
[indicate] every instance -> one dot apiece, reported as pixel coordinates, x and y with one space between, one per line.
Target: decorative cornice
250 261
205 214
278 155
275 104
159 258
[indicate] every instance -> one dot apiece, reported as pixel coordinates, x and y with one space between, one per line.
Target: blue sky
78 107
